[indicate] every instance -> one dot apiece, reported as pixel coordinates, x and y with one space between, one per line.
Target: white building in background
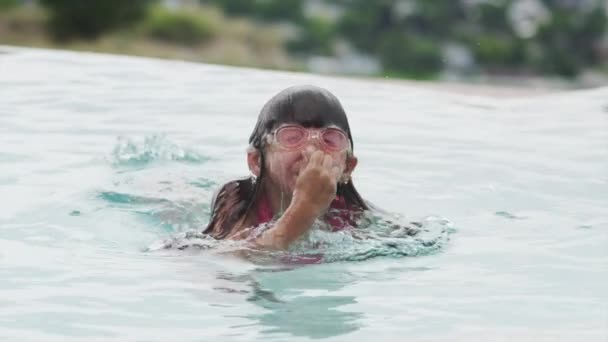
457 58
322 9
526 16
345 61
179 3
352 64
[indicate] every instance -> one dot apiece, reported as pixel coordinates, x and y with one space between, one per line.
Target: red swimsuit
339 218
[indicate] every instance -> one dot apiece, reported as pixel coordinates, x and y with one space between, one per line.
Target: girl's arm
314 191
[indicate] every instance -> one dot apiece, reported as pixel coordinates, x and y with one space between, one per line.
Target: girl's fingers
306 155
336 173
316 159
327 162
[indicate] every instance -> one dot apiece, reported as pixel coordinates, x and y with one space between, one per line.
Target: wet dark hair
309 106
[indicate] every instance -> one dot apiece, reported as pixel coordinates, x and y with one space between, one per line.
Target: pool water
103 159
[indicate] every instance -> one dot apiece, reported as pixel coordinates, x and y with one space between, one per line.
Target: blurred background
549 43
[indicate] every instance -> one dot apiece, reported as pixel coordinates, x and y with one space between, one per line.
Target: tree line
409 38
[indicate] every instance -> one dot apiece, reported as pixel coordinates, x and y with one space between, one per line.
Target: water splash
154 148
171 198
385 235
184 240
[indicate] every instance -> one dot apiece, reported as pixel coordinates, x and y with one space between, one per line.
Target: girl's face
288 149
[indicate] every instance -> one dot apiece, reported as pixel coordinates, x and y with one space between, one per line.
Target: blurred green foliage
315 37
181 26
408 38
89 19
284 10
6 4
408 46
409 56
568 40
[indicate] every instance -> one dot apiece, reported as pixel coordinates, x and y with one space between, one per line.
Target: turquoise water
105 158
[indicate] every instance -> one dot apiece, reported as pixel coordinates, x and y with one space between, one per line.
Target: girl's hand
315 187
314 191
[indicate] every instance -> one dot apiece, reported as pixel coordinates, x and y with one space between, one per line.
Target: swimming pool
103 156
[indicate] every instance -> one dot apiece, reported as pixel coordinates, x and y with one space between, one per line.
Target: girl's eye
290 136
334 139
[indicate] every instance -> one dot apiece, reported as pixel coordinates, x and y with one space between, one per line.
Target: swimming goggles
294 137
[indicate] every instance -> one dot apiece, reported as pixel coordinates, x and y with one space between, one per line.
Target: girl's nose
313 144
309 149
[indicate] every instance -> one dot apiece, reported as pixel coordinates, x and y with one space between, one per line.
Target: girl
301 160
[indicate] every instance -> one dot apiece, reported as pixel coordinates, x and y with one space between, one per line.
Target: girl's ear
254 161
351 164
